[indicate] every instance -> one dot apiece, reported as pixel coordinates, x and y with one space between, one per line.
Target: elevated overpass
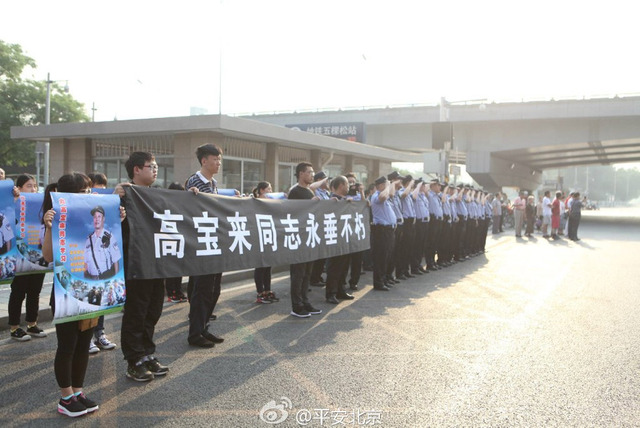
505 143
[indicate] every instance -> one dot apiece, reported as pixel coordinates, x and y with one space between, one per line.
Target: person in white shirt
546 214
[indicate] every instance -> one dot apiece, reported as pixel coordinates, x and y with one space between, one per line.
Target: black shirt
299 192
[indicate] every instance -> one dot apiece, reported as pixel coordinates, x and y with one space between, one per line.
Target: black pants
472 225
395 254
173 286
142 311
382 240
72 355
444 250
21 286
316 271
299 274
405 246
354 269
417 251
461 249
484 232
203 296
355 261
572 230
262 278
435 226
336 268
367 259
216 288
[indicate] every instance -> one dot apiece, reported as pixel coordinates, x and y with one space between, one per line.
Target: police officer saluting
101 252
382 232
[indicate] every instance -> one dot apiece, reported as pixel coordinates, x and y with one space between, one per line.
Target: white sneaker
93 349
104 343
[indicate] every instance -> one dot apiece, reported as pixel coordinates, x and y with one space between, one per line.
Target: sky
143 59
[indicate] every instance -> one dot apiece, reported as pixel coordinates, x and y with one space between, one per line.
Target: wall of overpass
506 144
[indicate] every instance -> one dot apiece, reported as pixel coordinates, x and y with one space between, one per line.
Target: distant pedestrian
530 215
575 213
496 214
555 215
546 214
519 205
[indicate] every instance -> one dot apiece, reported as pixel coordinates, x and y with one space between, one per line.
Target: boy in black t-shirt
300 272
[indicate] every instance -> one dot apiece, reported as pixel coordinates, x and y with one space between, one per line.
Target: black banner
175 233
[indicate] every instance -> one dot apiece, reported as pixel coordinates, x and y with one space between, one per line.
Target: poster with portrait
8 250
29 234
88 259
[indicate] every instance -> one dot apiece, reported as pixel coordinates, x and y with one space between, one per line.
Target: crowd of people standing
417 227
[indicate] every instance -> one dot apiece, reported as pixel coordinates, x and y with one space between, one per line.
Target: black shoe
213 317
345 296
20 335
212 337
89 404
300 313
312 310
139 372
381 288
332 299
389 284
35 331
154 366
423 269
401 277
353 287
201 342
416 272
408 275
71 407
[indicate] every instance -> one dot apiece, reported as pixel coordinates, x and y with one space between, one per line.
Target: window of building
116 172
286 177
241 174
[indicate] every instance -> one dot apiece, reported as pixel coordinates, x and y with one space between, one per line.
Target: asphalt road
533 333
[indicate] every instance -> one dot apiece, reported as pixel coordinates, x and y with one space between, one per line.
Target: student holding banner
204 289
301 272
28 286
72 355
145 297
262 275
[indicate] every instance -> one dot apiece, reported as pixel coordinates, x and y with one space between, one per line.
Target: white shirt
546 209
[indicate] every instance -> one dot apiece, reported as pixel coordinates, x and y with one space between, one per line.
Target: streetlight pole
47 121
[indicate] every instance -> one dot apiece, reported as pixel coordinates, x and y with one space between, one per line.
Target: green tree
22 103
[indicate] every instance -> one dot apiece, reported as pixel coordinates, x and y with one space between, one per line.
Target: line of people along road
416 227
